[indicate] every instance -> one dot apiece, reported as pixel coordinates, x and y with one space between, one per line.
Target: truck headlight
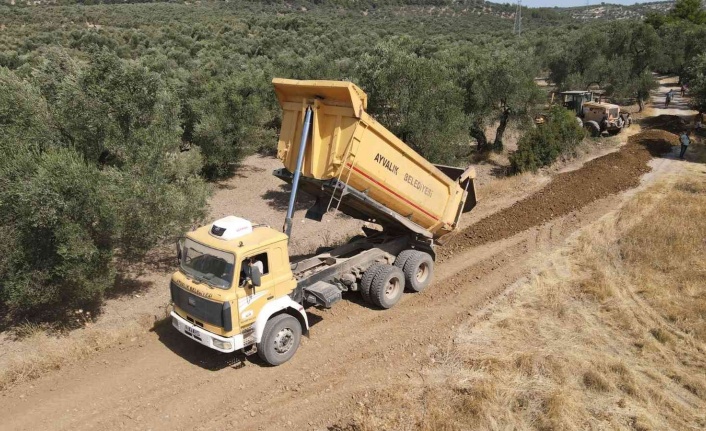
225 345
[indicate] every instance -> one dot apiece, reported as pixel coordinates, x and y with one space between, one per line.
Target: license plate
193 332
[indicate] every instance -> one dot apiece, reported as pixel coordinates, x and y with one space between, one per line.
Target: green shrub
541 146
97 180
58 232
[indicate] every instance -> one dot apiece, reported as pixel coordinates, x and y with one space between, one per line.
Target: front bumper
204 337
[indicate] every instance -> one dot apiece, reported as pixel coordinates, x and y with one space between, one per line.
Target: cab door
252 298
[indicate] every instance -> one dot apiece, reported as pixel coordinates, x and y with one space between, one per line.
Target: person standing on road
668 99
685 141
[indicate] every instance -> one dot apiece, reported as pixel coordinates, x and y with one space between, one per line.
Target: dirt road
164 381
161 380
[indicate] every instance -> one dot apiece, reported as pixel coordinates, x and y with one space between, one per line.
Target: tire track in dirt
567 192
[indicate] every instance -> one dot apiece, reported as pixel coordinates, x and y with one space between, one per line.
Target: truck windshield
206 264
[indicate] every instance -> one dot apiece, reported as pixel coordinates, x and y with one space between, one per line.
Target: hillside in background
611 12
505 10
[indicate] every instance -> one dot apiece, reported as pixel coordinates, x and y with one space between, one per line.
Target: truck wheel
593 128
418 271
367 281
387 287
280 339
401 258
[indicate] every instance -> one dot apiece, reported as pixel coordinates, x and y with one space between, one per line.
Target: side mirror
179 245
255 276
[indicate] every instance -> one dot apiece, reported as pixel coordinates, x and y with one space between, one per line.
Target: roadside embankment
567 192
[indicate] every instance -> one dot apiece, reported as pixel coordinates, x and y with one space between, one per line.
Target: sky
567 3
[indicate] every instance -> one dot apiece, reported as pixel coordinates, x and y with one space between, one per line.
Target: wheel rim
422 272
284 340
392 288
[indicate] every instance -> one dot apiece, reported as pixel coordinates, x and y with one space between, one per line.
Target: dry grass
610 334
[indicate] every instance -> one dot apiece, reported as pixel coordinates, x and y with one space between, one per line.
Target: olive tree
416 99
497 86
96 179
697 83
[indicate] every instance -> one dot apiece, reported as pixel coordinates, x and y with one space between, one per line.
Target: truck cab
233 278
603 117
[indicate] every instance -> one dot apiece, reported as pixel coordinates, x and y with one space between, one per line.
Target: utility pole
518 19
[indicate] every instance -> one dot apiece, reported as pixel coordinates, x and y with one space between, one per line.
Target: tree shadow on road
279 198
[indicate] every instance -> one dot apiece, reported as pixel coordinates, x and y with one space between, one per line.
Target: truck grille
214 313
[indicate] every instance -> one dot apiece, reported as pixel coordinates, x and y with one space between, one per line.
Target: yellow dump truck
236 287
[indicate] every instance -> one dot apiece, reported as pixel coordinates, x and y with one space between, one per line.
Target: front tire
280 339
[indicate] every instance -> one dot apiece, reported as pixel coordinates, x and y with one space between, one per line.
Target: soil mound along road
656 141
567 192
670 123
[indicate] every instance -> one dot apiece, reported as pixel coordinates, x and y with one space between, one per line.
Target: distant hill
612 11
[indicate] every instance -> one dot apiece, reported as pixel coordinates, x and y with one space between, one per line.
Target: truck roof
261 236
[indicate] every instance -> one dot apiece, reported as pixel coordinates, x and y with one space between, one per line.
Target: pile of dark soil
670 123
567 192
657 141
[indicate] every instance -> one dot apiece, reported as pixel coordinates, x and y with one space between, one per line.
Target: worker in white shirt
685 141
248 265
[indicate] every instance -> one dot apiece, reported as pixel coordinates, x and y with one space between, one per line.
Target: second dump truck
237 288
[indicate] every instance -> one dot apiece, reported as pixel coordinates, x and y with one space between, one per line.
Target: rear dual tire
387 287
367 281
418 269
382 285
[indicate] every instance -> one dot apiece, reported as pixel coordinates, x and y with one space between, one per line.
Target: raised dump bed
353 163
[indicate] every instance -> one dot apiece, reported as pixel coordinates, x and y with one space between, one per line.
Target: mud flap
317 211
